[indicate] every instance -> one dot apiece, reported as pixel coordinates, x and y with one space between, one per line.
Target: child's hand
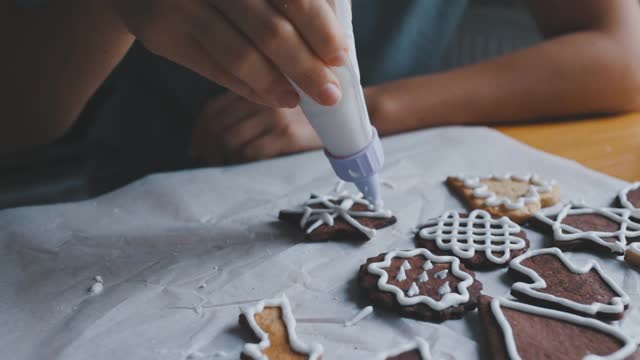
249 47
231 129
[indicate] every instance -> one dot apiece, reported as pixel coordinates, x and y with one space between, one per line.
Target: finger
218 115
238 56
319 26
247 130
265 147
278 39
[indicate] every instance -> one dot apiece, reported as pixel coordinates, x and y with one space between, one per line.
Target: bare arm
55 58
587 64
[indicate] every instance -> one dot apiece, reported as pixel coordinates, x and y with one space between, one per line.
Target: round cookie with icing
478 239
632 255
420 285
338 217
517 197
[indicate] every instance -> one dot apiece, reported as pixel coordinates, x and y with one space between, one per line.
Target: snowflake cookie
551 280
576 227
479 240
517 197
274 325
338 217
520 331
419 284
418 349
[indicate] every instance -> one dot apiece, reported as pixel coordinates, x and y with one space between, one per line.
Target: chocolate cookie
274 326
418 349
559 284
576 227
338 217
420 285
479 240
629 198
517 197
521 331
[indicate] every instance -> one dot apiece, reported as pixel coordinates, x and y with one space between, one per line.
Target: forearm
56 57
577 74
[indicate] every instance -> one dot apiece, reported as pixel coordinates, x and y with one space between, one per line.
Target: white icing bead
441 274
406 265
623 196
424 277
413 290
401 275
448 300
427 265
477 232
444 289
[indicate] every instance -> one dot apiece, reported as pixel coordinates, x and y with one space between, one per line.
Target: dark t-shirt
145 125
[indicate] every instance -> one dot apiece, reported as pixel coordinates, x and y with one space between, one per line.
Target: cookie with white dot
517 197
420 285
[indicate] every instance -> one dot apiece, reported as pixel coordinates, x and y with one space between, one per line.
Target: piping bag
350 142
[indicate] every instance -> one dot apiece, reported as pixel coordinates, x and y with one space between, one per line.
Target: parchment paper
157 241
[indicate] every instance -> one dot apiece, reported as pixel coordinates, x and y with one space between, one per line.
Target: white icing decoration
624 200
424 277
617 304
97 287
413 290
498 303
563 232
314 351
427 265
417 344
402 276
359 316
444 289
448 300
313 218
405 265
537 186
451 232
441 274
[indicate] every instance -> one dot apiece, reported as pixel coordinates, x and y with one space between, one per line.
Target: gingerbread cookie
521 331
338 217
576 227
420 285
629 198
517 197
479 240
632 255
275 327
418 349
559 284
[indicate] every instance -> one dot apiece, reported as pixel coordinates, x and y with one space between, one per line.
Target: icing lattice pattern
478 232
